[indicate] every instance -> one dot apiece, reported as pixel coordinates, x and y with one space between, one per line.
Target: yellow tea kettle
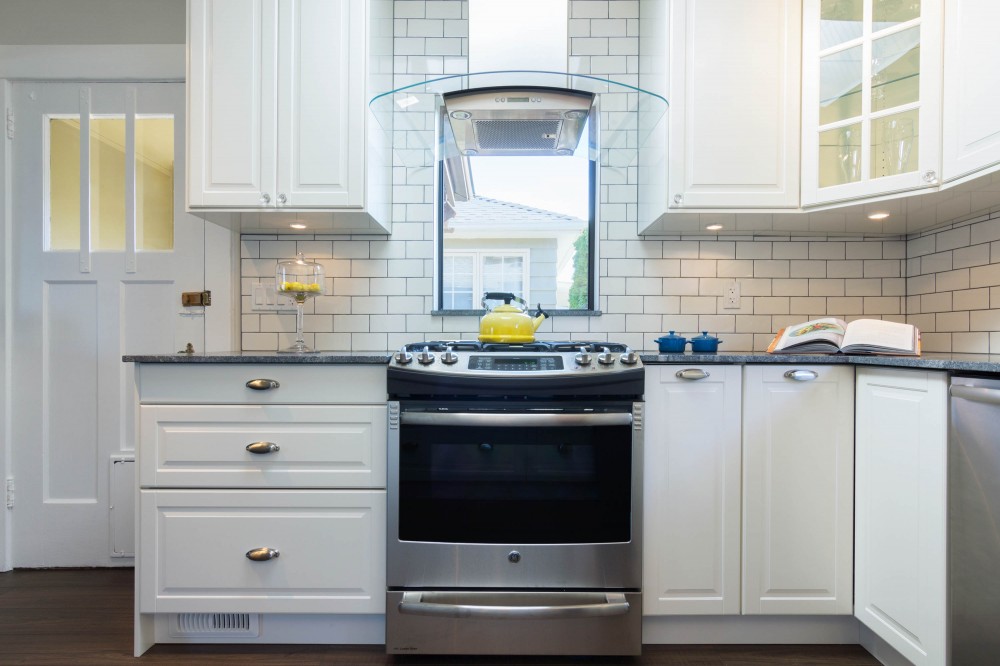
507 322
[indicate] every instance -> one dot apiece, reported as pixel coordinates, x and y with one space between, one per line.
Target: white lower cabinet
692 490
748 490
261 490
798 485
237 551
900 555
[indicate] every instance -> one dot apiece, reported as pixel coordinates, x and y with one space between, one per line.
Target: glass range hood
630 119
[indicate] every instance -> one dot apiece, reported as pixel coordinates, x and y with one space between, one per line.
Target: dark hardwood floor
83 617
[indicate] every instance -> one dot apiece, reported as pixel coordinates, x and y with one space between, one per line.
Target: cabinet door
734 93
798 481
692 490
231 113
321 103
901 497
871 98
971 87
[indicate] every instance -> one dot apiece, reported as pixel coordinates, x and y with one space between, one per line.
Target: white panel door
971 127
901 547
798 482
321 103
231 81
78 309
734 94
691 516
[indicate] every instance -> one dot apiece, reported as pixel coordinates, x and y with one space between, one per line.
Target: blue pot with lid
705 343
671 343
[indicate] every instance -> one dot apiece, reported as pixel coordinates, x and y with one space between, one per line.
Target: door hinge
10 493
193 298
10 123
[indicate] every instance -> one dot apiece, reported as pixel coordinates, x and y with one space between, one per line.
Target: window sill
551 313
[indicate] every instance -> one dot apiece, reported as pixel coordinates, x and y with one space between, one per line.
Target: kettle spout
539 317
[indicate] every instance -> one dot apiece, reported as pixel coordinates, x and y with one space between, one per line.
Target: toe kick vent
206 625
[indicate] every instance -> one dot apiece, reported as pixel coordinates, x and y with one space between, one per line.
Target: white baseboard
295 628
751 629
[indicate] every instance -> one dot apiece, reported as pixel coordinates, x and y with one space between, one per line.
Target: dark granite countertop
953 362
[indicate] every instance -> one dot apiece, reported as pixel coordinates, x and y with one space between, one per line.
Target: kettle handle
504 296
541 312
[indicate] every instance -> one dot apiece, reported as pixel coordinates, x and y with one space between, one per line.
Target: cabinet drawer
330 544
186 446
214 383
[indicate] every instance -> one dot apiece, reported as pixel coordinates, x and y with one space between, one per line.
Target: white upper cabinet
971 87
871 98
734 93
277 104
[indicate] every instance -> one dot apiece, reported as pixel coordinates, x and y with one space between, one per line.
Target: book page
879 333
829 329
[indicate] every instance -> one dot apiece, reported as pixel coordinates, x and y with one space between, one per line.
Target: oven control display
515 363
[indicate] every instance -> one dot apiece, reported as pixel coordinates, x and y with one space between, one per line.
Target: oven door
495 496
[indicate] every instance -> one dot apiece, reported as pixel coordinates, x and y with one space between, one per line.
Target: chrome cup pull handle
801 375
691 374
262 554
263 447
262 384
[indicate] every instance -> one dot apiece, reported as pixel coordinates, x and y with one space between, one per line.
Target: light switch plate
264 298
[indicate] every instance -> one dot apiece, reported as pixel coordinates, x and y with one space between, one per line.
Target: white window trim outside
477 272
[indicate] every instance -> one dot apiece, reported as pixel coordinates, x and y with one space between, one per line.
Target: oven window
515 485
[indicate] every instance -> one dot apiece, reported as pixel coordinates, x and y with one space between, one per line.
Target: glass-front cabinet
871 97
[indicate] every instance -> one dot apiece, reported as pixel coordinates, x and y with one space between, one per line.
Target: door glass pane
840 21
840 155
107 183
840 86
887 13
154 183
64 184
894 144
457 282
504 274
896 69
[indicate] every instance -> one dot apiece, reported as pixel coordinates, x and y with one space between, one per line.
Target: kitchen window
466 276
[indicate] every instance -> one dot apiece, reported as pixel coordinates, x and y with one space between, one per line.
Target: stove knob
449 357
606 358
629 358
583 358
402 357
425 357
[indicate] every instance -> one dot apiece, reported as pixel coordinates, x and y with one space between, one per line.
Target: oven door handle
422 603
510 420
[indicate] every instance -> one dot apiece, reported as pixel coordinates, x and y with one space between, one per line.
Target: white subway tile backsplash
379 289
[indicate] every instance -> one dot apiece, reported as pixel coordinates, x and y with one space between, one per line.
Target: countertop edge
984 363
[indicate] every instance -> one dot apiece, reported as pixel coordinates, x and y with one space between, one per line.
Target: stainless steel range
514 499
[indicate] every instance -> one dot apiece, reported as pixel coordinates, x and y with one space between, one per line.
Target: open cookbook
830 335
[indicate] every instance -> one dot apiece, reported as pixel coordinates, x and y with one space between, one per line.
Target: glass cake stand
301 279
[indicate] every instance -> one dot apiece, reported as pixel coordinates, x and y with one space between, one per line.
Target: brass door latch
195 298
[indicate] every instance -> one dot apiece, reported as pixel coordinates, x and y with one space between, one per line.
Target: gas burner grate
538 346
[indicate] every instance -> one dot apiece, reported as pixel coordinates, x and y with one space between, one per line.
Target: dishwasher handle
976 394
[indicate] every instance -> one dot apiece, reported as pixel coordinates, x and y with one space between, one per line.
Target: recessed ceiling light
714 227
877 216
297 226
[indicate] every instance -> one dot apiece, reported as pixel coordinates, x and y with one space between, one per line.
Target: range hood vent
531 121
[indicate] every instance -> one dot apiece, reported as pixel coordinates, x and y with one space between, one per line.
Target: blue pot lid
705 337
671 336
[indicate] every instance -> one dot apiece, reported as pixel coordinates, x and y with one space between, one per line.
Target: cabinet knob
282 199
678 198
930 176
265 198
691 374
262 384
801 375
263 447
262 554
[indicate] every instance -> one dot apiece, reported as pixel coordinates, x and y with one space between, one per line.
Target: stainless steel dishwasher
974 520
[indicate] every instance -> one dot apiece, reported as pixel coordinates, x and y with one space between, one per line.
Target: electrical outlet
731 295
265 298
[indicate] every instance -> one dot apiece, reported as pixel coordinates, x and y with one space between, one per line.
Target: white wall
5 324
92 21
